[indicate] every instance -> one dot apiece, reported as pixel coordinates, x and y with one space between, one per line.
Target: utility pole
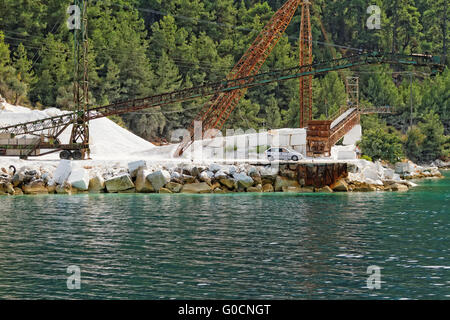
80 129
444 33
411 98
394 33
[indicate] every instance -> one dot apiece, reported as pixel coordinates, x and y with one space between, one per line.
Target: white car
283 154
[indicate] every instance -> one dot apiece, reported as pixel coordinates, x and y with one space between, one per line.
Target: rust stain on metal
320 175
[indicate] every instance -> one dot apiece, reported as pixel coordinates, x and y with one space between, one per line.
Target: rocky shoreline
72 178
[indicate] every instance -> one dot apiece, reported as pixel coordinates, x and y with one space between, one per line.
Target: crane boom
217 111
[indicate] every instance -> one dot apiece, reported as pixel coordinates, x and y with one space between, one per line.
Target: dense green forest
144 47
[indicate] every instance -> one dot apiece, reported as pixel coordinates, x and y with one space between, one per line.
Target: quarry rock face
159 179
119 184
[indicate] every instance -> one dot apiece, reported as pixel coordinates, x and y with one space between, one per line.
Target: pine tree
433 130
24 66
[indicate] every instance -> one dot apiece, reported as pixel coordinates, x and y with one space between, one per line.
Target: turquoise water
228 246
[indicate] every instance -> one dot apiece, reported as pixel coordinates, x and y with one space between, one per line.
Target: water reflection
227 246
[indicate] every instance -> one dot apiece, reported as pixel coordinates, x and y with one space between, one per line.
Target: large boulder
215 167
143 185
119 184
159 179
65 189
175 176
229 183
188 179
63 171
35 187
165 191
363 187
17 179
97 184
370 172
256 176
79 179
282 182
133 167
257 189
205 177
267 188
298 189
404 168
340 186
325 189
389 174
6 188
220 175
198 188
269 172
292 189
243 180
399 187
174 187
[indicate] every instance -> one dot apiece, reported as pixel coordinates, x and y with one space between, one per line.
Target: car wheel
294 158
270 158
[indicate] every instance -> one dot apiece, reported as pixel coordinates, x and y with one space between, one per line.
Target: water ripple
227 247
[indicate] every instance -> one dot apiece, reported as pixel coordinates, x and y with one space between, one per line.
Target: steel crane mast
305 42
80 125
216 112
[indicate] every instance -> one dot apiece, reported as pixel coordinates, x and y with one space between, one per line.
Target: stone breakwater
141 177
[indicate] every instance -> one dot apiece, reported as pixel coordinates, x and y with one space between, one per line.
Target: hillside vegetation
145 47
